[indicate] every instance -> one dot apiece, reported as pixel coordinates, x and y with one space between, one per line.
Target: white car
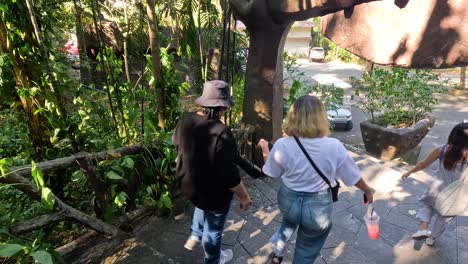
339 117
317 54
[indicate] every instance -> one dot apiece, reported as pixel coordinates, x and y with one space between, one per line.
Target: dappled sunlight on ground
248 233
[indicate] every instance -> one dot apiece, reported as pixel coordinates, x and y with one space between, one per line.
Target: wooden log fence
20 178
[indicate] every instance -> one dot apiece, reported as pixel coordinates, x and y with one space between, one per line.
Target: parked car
339 116
317 54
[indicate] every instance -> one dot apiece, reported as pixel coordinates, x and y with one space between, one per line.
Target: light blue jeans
208 227
311 214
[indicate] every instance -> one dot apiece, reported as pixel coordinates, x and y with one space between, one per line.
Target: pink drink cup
372 223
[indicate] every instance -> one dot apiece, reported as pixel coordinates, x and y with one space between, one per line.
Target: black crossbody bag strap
312 162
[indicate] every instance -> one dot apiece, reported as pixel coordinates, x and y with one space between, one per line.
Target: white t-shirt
286 160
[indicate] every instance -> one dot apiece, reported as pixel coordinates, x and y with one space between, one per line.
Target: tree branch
63 163
36 223
19 178
87 220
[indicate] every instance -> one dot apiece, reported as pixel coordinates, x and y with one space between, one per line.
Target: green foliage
399 96
25 254
332 51
238 98
295 86
47 197
174 88
130 182
200 26
14 141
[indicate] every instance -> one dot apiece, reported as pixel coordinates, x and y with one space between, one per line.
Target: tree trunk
263 94
53 83
125 44
156 60
463 77
38 133
85 72
102 196
369 67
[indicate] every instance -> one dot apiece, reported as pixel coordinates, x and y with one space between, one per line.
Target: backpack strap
313 163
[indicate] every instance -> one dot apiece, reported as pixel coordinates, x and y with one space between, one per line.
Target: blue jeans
311 214
208 227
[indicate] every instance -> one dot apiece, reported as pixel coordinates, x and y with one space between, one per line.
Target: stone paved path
161 240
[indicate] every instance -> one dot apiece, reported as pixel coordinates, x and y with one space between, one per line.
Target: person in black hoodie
207 172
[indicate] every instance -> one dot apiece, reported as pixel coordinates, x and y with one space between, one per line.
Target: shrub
398 97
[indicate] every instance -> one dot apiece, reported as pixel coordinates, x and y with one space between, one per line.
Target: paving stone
273 183
341 205
289 256
344 254
447 246
266 190
170 225
401 220
234 224
352 196
268 214
172 245
404 208
413 186
137 255
347 221
259 199
404 196
380 178
342 235
378 250
259 247
254 226
393 234
411 251
248 233
241 256
235 206
381 207
332 241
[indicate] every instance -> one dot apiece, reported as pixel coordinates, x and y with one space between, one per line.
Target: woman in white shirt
305 199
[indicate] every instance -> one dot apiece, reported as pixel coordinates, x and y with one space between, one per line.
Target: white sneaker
430 241
226 256
192 242
421 234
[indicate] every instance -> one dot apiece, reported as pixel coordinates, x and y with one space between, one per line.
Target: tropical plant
398 97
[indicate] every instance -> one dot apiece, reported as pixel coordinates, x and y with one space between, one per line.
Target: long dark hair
212 112
458 143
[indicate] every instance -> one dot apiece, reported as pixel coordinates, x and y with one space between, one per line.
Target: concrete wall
297 42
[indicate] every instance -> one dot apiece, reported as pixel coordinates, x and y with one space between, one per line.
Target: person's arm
434 155
244 197
348 172
368 192
263 145
226 153
251 169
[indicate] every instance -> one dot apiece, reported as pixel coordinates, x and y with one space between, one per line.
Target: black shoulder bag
334 190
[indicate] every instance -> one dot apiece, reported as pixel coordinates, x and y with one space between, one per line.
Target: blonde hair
307 118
